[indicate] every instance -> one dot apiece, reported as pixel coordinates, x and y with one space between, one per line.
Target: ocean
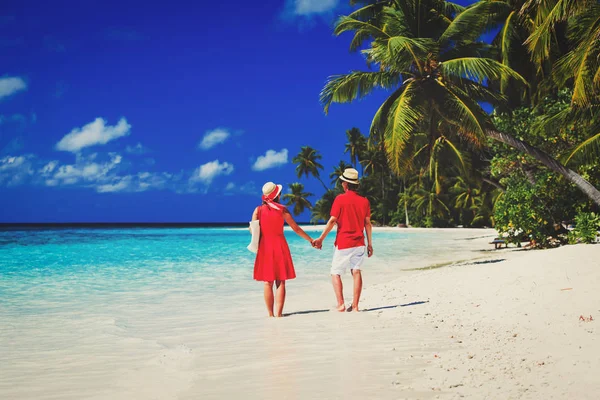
118 303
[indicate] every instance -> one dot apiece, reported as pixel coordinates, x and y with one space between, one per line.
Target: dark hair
352 186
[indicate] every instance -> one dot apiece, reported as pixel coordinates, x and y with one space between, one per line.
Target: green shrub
586 227
520 214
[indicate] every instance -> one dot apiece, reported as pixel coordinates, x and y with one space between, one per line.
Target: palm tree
298 198
357 143
338 170
430 203
514 25
308 163
436 79
467 194
549 17
582 63
322 209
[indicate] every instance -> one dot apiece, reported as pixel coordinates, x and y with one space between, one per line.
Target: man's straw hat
350 175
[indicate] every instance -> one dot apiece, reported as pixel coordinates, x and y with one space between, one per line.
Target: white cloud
213 138
11 85
100 172
92 134
137 149
209 171
104 176
49 168
119 185
271 159
85 171
15 170
307 7
246 188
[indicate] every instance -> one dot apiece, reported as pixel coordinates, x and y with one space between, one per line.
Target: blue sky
162 112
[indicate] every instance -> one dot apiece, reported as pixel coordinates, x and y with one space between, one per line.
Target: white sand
498 327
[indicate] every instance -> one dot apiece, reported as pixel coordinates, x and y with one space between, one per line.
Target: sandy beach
506 324
511 324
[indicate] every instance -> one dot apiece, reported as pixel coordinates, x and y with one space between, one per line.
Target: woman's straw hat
350 175
271 191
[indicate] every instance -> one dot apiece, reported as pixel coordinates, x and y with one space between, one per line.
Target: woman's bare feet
341 308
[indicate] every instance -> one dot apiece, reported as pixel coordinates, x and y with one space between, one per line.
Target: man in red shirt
352 213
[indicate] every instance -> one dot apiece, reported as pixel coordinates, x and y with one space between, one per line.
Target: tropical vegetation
492 116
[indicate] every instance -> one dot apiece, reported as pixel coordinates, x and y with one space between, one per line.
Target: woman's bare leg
269 297
280 294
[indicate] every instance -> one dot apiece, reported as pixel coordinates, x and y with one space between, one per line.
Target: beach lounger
498 243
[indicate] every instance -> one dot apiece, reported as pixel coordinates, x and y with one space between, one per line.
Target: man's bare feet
341 308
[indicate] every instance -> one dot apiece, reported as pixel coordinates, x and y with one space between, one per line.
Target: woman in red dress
273 262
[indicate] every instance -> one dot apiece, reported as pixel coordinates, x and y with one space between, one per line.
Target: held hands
317 243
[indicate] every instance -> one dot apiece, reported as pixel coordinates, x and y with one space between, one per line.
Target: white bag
255 230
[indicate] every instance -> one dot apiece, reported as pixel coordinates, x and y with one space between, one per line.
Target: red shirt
350 209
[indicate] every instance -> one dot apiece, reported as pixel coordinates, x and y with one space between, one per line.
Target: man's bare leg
280 298
357 276
269 297
338 288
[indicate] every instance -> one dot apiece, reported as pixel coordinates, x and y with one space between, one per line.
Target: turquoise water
46 269
80 261
78 307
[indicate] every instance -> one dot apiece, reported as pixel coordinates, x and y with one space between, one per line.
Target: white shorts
351 258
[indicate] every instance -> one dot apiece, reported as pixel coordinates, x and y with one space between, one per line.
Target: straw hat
350 175
271 191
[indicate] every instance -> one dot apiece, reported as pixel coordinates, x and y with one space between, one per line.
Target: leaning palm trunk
549 162
323 183
406 212
405 203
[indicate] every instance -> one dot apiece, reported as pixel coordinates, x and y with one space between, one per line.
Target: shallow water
91 307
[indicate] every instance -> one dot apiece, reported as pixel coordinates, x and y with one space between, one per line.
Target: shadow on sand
416 303
305 312
497 260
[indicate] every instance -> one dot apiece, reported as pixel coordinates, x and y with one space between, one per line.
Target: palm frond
480 69
581 62
587 151
548 14
597 77
457 153
470 49
404 114
546 123
475 20
400 46
452 9
459 107
363 30
357 84
479 92
367 12
393 22
507 35
380 119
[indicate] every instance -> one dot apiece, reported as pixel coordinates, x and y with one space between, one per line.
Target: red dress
273 259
